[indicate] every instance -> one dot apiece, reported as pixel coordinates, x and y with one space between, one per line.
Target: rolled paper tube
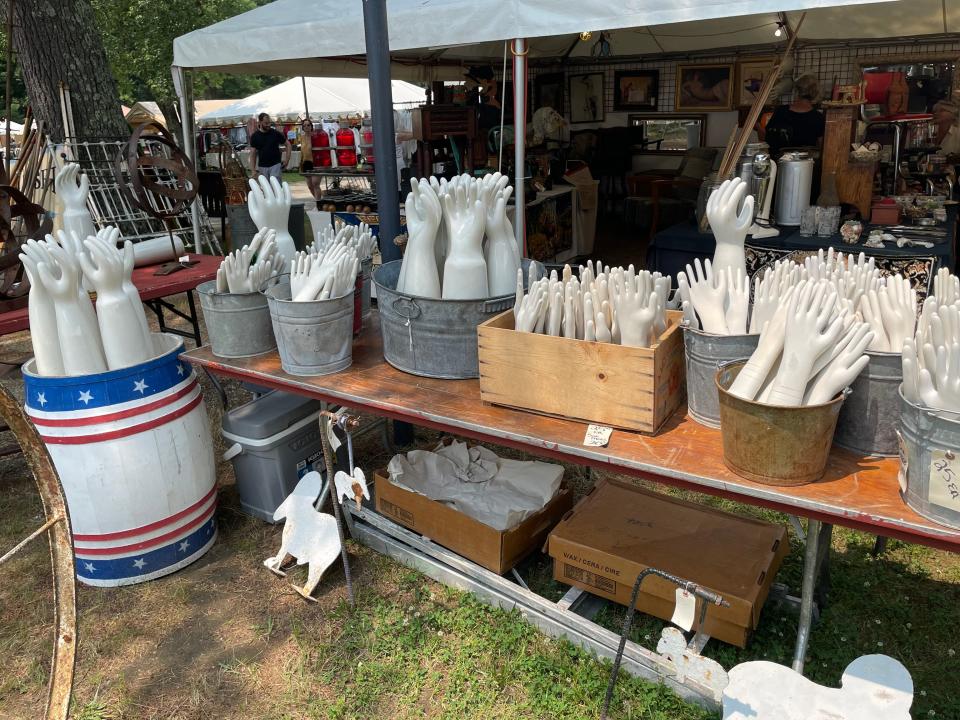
157 250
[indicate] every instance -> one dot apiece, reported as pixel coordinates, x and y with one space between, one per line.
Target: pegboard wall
830 63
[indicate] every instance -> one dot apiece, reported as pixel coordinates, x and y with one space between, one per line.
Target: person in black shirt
265 158
798 124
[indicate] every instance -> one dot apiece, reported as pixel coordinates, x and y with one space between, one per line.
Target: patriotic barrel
135 456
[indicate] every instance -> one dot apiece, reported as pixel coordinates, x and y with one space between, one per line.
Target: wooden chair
666 197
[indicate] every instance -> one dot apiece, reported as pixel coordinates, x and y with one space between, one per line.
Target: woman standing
798 124
306 157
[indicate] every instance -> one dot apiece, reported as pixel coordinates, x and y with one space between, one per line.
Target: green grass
226 639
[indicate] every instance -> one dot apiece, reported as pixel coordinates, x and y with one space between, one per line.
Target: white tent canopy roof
325 96
429 38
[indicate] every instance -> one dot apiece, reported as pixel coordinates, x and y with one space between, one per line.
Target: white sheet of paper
597 436
331 435
684 610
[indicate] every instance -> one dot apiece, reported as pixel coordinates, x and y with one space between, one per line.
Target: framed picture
705 87
751 75
548 92
586 98
635 89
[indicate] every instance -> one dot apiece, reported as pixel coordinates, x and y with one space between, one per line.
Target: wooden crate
622 387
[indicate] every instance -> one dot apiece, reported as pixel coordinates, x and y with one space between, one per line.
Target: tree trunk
171 113
57 41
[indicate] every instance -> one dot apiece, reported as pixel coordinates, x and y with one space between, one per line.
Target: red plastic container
320 144
366 141
346 148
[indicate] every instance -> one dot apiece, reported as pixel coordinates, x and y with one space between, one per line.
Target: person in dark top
798 124
265 143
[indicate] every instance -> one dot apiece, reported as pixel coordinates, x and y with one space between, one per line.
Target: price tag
331 435
597 436
684 610
945 480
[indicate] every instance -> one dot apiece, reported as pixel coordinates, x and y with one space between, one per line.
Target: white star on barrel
184 545
140 386
85 397
139 563
42 399
89 567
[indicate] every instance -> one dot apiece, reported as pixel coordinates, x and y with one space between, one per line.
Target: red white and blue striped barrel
135 456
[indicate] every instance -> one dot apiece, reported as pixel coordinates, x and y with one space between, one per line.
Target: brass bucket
771 444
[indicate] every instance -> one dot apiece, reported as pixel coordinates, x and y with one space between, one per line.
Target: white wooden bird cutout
351 486
309 536
872 687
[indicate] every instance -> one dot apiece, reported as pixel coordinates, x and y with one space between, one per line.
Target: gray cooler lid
269 415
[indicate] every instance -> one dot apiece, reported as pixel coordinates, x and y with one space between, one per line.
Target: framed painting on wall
705 88
548 91
635 89
751 74
586 98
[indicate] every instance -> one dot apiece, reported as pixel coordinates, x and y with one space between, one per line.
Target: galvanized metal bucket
238 324
313 338
770 444
366 273
429 337
706 353
868 420
929 452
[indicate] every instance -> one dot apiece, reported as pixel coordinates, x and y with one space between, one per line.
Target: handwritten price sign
945 480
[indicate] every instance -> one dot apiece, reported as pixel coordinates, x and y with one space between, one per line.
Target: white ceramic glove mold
465 269
41 310
269 205
73 187
418 273
730 228
120 327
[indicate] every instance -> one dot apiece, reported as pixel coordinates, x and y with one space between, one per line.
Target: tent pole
381 108
519 50
183 84
306 108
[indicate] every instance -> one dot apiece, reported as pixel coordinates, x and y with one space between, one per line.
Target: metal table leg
817 550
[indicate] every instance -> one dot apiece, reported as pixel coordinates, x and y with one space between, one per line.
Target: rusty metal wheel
57 529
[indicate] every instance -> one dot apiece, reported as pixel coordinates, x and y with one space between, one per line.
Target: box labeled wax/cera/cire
618 530
496 550
624 387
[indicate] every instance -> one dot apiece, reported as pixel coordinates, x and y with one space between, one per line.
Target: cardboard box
622 387
618 530
496 550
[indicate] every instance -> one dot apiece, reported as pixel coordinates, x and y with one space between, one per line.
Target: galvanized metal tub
929 448
429 337
238 324
366 273
313 338
770 444
868 420
706 353
133 450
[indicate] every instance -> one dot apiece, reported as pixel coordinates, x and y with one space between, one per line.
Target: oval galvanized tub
868 420
929 468
771 444
705 353
135 456
315 337
238 324
430 337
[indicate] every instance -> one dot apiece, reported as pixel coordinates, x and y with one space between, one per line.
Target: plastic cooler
275 441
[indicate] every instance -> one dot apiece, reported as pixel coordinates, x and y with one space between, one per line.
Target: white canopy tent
434 39
325 97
